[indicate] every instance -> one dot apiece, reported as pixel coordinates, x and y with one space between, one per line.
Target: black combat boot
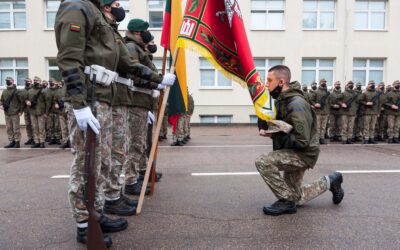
17 144
372 141
81 237
379 138
135 189
119 207
48 139
188 137
128 201
396 140
35 145
390 140
142 173
349 141
344 142
336 180
177 143
183 142
112 226
10 145
42 145
322 141
160 138
53 142
280 207
365 142
29 142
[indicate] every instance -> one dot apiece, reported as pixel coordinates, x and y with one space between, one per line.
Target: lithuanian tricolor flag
178 95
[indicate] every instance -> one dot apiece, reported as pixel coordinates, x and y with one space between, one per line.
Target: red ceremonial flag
215 30
166 29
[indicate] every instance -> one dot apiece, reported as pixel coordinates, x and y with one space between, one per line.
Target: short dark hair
282 71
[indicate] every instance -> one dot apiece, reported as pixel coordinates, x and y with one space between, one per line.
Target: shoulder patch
299 127
75 27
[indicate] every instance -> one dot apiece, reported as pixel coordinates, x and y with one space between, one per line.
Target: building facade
339 40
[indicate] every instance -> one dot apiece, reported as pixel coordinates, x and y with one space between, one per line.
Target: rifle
323 100
35 98
351 100
7 103
373 100
95 239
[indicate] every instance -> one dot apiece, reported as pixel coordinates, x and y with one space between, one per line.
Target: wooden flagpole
155 138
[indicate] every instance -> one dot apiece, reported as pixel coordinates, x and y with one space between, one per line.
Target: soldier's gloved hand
150 118
169 79
85 117
160 86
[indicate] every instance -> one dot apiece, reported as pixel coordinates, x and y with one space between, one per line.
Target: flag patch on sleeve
75 27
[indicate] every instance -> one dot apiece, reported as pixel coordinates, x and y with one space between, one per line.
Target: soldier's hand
19 114
395 107
336 106
344 105
56 106
85 117
264 133
28 103
317 105
169 79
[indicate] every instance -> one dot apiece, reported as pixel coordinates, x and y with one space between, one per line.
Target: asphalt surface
210 212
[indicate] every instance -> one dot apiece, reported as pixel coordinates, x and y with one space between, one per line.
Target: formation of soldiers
42 104
353 115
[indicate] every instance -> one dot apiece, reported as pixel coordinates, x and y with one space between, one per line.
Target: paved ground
210 212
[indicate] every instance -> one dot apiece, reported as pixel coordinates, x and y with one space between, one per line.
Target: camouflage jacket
24 96
84 37
349 97
59 98
392 98
191 105
38 101
370 96
334 98
293 109
50 95
13 97
321 96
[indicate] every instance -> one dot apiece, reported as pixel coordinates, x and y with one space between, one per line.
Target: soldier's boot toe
177 143
336 180
372 141
52 142
81 237
322 141
42 145
349 141
48 139
396 140
129 202
390 140
29 142
365 142
188 137
17 144
280 207
183 141
344 142
35 145
112 226
119 207
158 176
380 138
10 145
135 189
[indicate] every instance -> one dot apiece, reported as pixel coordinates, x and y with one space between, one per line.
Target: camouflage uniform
91 40
370 112
381 118
179 133
12 95
27 116
293 153
358 123
38 112
189 115
53 121
322 113
334 116
393 116
59 100
348 113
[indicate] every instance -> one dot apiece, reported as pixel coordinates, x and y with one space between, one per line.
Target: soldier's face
273 81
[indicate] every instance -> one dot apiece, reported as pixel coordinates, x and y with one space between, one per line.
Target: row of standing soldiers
44 114
355 115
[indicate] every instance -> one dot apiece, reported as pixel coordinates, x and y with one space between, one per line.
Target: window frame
48 67
318 68
267 64
46 11
368 68
14 69
161 10
216 72
319 11
127 16
369 12
11 12
215 117
267 11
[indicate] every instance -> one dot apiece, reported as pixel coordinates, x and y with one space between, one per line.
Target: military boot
29 142
53 142
177 143
10 145
183 142
65 145
35 145
349 141
365 142
81 237
17 144
380 138
142 173
188 137
280 207
322 141
336 180
129 202
135 189
390 140
112 226
344 142
372 141
119 207
396 140
42 145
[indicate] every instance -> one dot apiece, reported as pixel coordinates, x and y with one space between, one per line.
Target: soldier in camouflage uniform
37 105
53 114
334 132
393 114
320 102
164 126
47 126
358 123
178 136
369 101
381 120
295 152
188 116
348 111
304 88
85 38
59 105
27 116
11 104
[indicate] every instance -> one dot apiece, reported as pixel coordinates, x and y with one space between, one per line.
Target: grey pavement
210 212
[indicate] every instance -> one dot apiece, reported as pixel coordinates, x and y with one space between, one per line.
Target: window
263 65
156 12
216 119
370 15
51 11
158 63
12 15
124 24
365 70
211 78
53 70
253 119
16 68
267 14
319 14
313 70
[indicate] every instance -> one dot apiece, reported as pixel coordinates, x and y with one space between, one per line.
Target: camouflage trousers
322 121
289 186
47 127
77 180
358 125
64 127
334 128
346 125
137 120
179 134
369 126
119 149
54 126
28 125
164 126
39 129
393 126
12 125
186 127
